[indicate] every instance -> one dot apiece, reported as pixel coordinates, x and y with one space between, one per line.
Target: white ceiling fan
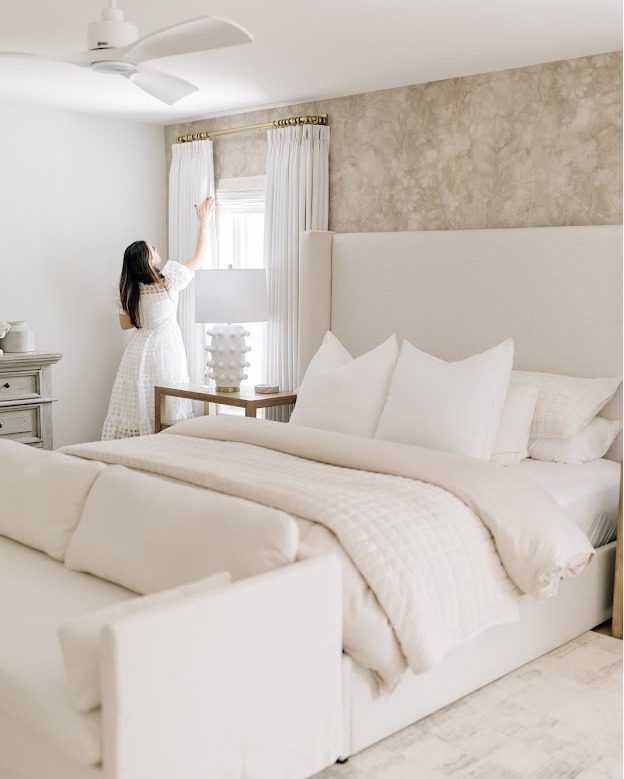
115 48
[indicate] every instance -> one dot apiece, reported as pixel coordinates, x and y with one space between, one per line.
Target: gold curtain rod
290 121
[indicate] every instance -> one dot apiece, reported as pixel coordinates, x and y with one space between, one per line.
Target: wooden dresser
26 397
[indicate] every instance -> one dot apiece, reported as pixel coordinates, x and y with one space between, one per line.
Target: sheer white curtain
297 199
191 178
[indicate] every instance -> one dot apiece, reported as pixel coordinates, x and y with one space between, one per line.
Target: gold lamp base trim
227 389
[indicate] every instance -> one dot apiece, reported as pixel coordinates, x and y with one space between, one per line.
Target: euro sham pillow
345 394
566 404
592 443
452 406
80 637
512 441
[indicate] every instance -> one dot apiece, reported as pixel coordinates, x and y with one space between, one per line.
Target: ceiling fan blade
83 58
169 89
71 59
206 32
22 54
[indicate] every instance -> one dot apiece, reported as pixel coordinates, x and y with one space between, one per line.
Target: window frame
252 189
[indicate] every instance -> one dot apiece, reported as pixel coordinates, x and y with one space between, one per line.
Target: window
240 243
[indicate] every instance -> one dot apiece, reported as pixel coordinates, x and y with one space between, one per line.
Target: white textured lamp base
227 356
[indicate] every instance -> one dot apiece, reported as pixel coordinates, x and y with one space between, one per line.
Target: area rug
558 717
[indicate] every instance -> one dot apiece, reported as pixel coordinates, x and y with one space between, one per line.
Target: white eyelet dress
154 355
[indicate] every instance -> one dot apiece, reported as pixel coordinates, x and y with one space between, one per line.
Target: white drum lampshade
227 298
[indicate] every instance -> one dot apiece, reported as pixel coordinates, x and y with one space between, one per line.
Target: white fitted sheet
587 493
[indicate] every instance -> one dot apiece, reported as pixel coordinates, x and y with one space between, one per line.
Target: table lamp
226 298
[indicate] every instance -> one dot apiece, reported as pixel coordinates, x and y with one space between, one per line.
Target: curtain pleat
297 199
191 178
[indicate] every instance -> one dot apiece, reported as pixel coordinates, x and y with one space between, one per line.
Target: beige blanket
426 530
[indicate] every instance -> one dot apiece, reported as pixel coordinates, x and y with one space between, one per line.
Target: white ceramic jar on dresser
26 397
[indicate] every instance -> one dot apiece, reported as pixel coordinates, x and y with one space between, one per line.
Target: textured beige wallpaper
532 146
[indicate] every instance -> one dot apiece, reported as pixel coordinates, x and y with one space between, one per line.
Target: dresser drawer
15 386
21 424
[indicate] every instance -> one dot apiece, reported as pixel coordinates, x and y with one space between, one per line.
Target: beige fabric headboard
555 290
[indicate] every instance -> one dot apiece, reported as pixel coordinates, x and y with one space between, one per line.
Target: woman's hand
205 209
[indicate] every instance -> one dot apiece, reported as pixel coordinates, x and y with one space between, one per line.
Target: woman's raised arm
204 211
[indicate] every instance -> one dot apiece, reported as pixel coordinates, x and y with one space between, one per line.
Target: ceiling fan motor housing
111 31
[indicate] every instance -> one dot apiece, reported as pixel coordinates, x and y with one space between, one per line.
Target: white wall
75 190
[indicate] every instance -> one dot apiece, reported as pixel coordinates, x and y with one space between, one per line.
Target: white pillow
512 441
343 394
41 495
593 442
453 406
566 404
80 637
149 533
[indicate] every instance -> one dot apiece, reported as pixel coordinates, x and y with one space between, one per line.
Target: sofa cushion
23 755
150 533
37 595
42 495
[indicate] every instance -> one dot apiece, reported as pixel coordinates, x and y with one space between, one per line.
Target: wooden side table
248 399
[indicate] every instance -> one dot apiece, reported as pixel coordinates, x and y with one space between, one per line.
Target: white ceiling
303 49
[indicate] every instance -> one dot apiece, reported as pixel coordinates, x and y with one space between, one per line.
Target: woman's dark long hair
136 269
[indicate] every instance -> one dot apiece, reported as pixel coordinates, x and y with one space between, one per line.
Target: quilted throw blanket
445 543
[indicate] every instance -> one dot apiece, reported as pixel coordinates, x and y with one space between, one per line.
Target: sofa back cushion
41 495
80 637
149 533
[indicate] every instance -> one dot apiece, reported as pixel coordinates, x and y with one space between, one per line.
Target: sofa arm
242 682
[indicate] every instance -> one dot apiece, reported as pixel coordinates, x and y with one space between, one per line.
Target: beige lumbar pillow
80 637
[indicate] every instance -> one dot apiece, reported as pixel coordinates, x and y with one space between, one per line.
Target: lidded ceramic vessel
20 338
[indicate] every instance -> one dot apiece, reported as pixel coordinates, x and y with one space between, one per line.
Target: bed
556 290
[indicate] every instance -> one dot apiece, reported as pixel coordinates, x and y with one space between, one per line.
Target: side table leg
159 399
616 625
250 411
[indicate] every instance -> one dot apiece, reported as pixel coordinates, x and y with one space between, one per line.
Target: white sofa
247 681
240 682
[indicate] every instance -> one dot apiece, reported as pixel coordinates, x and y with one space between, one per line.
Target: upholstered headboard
555 290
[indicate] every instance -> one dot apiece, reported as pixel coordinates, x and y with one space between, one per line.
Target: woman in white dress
155 353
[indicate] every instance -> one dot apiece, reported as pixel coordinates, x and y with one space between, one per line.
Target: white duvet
445 544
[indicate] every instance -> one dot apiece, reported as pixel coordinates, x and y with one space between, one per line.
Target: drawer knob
6 385
0 424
